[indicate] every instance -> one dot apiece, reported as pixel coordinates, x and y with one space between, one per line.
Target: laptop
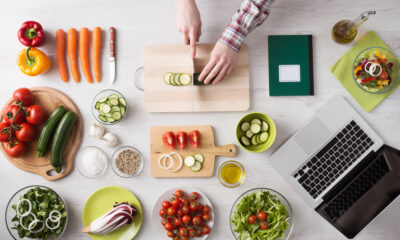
340 167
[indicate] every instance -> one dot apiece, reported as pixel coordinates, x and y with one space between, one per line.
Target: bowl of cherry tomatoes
183 213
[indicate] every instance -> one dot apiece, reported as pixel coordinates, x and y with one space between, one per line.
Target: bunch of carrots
72 45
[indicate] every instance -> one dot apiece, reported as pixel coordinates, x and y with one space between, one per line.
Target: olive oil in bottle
346 30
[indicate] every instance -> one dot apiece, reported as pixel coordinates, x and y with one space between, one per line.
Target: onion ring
180 162
22 225
161 161
52 228
29 209
56 219
33 224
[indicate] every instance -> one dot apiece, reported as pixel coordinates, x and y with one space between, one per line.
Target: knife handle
112 42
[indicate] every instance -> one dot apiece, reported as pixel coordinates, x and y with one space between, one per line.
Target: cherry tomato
192 232
5 131
252 219
194 138
194 196
175 203
264 225
196 220
163 212
171 211
170 234
35 115
168 226
206 229
18 150
183 232
166 204
25 133
23 95
193 205
185 209
177 222
164 221
184 201
169 140
10 112
199 233
186 219
206 217
206 209
179 193
262 215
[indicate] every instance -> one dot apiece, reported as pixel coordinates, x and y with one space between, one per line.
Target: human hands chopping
189 23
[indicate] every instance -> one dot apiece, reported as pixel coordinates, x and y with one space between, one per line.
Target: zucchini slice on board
189 161
176 79
196 167
185 79
166 77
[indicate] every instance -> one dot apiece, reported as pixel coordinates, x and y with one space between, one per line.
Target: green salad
260 216
40 214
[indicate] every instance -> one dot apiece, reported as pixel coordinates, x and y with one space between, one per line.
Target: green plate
102 201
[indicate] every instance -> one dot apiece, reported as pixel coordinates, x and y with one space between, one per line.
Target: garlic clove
110 140
96 130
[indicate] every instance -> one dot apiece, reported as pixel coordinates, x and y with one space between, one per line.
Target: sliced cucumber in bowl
110 109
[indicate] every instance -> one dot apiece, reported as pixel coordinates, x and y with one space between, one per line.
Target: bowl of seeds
127 161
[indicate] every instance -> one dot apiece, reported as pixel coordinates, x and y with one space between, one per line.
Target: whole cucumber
48 130
60 138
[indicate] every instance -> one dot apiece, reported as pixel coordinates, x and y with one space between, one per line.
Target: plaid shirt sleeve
251 14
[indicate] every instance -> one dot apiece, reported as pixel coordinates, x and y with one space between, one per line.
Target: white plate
156 218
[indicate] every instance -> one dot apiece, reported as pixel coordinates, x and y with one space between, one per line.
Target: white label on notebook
289 73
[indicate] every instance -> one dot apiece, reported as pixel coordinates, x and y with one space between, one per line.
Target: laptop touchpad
312 136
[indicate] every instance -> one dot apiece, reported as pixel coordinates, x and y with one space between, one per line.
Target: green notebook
290 65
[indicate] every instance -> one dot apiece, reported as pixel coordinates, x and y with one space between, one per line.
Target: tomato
5 131
171 211
196 220
177 222
169 140
252 219
26 132
206 209
163 212
262 215
18 150
35 115
175 203
192 232
194 138
186 219
199 207
164 221
11 111
185 209
183 232
206 217
199 233
23 95
194 196
179 212
206 229
170 234
179 193
166 204
184 201
193 205
182 138
168 226
264 225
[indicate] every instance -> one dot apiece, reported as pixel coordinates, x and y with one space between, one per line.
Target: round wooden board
49 99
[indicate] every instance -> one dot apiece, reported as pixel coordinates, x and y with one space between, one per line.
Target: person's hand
189 23
222 61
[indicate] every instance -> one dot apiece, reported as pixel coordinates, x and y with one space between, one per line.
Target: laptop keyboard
331 161
357 188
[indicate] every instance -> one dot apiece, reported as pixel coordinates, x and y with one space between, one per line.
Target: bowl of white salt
92 162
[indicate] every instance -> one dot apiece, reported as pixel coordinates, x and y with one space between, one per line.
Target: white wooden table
143 22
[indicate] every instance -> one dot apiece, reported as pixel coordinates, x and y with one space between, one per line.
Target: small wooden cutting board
49 99
207 149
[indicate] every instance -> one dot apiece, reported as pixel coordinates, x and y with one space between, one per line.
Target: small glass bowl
230 185
79 159
103 94
10 212
114 158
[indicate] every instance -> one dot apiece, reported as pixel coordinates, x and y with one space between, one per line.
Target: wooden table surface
142 22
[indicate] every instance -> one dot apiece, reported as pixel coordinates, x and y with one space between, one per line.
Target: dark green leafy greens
43 202
252 204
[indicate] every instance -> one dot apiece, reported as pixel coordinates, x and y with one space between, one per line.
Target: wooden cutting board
232 94
207 148
49 99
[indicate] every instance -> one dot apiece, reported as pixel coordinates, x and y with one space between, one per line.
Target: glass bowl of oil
231 174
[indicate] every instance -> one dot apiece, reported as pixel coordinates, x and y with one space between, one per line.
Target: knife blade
111 60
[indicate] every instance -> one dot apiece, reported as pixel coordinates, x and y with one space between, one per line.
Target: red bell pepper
369 79
31 34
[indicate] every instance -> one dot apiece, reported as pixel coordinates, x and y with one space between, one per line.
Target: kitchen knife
111 60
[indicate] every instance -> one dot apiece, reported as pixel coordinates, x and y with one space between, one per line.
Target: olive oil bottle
346 30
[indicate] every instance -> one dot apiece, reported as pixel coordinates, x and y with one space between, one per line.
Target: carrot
71 50
84 53
96 46
60 45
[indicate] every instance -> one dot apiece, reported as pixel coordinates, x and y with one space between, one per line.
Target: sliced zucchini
171 79
113 96
264 126
101 113
106 108
122 101
166 78
108 115
102 118
101 100
122 111
196 167
256 121
249 134
199 157
114 101
111 120
185 79
115 109
189 161
258 138
255 128
116 115
97 106
176 79
245 141
263 137
245 126
254 140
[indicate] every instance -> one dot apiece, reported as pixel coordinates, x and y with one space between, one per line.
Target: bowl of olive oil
231 174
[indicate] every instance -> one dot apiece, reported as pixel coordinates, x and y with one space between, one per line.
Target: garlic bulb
96 130
110 140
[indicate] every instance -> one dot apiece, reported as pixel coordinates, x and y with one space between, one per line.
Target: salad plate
102 201
279 215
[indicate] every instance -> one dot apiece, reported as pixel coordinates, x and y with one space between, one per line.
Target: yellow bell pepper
358 68
380 56
33 62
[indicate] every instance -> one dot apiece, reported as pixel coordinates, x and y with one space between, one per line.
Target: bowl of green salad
376 70
36 212
261 213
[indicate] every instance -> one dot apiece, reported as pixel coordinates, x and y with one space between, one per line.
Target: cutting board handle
225 150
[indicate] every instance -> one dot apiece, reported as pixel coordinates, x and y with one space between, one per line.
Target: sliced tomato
194 138
182 139
169 140
5 132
